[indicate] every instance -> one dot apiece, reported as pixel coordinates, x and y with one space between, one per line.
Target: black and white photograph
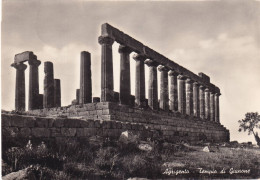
133 90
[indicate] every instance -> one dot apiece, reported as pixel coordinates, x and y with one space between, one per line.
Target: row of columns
51 96
185 95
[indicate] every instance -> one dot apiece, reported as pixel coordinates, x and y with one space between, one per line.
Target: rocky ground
126 158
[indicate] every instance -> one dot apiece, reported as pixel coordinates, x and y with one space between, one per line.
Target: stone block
68 132
107 124
24 56
80 132
42 122
41 132
25 132
58 123
55 132
16 121
97 124
6 120
72 123
10 132
29 121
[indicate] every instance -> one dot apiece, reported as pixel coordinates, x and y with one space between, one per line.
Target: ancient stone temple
186 109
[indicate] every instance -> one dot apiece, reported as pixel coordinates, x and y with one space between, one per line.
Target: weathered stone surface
24 56
25 132
68 132
41 132
57 93
48 97
42 122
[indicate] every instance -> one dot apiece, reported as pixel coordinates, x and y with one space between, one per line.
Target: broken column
173 103
189 97
107 80
125 85
207 104
181 94
77 95
139 80
34 84
57 92
196 106
152 85
19 86
164 92
202 102
85 78
48 97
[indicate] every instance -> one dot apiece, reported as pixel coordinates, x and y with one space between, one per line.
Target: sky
218 38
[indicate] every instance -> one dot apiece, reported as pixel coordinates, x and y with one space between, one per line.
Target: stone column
152 85
19 86
85 78
48 97
173 91
139 80
164 91
189 97
181 94
125 84
217 107
207 104
33 84
202 102
77 95
196 103
107 80
57 92
212 106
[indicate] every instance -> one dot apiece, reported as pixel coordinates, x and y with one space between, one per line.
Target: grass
97 158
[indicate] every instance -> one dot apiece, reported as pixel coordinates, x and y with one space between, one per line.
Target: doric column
125 84
217 107
85 78
48 97
164 92
139 80
57 92
196 104
189 97
181 94
152 85
173 102
207 104
212 106
202 102
107 80
33 84
19 86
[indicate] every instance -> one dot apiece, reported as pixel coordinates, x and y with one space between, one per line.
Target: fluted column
125 84
164 92
107 80
19 86
207 104
152 85
57 93
181 94
196 105
212 106
33 84
48 97
139 80
85 78
202 101
217 107
173 102
189 97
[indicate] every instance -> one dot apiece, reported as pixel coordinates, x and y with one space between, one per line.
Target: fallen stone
206 149
20 175
145 147
128 137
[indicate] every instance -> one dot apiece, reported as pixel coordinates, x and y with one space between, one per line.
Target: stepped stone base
170 126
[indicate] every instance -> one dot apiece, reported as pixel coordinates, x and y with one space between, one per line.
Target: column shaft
85 78
173 102
212 106
189 97
202 102
57 93
107 80
33 84
164 92
139 80
217 107
207 104
125 84
181 94
196 104
48 97
77 95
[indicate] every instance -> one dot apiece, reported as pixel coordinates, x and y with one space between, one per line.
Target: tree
250 124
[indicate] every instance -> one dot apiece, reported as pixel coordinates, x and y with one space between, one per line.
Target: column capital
202 87
19 66
105 40
124 49
189 80
213 93
150 63
34 62
139 57
217 94
207 90
163 68
195 83
173 73
181 77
